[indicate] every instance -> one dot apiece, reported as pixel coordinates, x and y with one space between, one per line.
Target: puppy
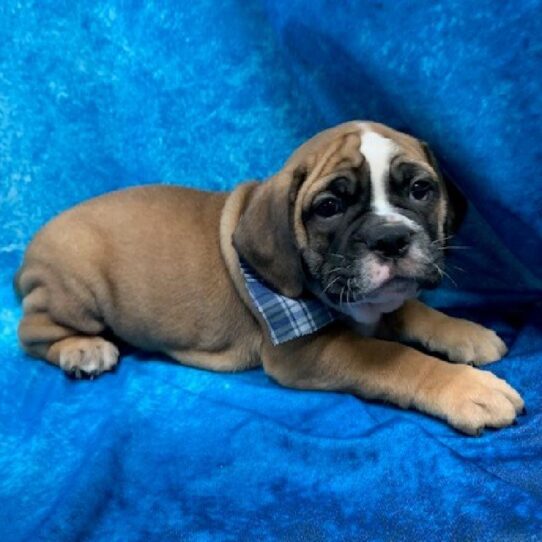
312 273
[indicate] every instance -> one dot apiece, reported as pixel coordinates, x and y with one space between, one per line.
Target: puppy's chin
386 298
382 287
390 295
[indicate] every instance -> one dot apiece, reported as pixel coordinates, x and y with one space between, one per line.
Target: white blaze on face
378 152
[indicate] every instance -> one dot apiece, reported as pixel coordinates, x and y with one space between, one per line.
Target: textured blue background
99 95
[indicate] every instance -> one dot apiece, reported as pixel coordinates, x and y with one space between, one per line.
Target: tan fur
459 340
134 259
157 266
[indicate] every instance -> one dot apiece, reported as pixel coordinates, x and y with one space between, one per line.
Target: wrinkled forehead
367 146
378 139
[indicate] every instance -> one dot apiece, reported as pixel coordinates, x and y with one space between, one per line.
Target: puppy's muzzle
389 240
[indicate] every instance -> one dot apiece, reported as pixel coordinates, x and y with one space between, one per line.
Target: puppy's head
359 214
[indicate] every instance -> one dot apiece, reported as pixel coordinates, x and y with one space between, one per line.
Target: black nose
389 240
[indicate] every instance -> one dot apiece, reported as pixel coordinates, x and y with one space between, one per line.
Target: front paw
462 341
472 400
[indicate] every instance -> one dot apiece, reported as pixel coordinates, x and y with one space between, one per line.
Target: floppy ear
264 235
457 202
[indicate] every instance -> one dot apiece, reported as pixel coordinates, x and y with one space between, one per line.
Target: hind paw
87 357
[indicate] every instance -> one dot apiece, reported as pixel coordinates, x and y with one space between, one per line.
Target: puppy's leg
460 340
59 326
467 398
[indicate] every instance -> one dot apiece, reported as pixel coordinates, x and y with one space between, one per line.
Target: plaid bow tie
286 318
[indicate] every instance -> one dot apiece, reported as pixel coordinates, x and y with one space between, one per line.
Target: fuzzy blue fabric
99 95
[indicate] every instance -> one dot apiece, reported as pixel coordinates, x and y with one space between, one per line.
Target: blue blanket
99 95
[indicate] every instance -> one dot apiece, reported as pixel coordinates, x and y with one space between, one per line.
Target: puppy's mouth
380 281
391 289
367 308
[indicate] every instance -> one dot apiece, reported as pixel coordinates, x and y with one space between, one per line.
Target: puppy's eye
328 207
421 190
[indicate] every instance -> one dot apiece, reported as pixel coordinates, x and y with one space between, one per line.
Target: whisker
451 278
334 270
441 240
444 274
341 297
331 283
454 247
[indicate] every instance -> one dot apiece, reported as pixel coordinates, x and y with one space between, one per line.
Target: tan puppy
358 218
